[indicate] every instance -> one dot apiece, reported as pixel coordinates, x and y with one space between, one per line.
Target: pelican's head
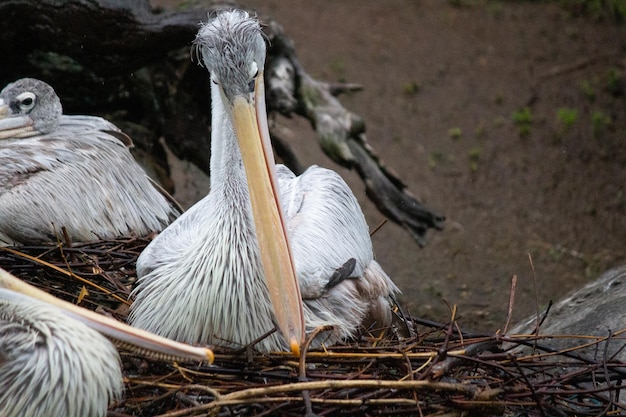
28 107
232 48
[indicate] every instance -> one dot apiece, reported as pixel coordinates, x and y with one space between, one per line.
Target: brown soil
441 84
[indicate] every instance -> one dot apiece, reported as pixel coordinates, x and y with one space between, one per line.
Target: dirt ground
507 117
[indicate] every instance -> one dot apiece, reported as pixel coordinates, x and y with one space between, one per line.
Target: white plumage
202 279
68 171
55 362
52 365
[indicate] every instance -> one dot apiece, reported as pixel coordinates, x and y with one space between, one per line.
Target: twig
534 275
302 367
64 272
509 313
530 386
580 64
378 226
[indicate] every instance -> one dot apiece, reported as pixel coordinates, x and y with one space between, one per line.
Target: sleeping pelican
53 363
225 271
69 171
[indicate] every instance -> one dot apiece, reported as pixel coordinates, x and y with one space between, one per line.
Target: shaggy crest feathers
226 45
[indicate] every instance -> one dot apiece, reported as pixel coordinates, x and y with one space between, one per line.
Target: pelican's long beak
145 341
250 121
14 126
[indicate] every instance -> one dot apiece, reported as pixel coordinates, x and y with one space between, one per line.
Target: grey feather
52 365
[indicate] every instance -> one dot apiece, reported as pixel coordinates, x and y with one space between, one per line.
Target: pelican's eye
254 70
254 73
26 101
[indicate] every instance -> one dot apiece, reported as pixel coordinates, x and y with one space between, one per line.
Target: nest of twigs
439 371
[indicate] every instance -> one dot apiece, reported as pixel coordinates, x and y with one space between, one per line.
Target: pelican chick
224 272
69 171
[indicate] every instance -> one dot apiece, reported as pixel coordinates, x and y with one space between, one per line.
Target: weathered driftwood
123 60
596 311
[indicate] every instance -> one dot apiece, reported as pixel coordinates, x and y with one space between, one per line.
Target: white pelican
222 273
52 363
68 171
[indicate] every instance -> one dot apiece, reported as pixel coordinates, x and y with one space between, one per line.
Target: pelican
53 363
242 260
69 171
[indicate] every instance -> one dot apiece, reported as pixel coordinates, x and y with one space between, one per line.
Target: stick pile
439 371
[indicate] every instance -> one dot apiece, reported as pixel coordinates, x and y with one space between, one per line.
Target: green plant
480 131
555 253
474 157
615 82
433 291
455 133
434 158
411 88
597 9
599 122
338 67
523 119
567 117
494 8
588 91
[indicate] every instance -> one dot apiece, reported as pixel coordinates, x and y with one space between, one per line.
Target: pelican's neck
227 171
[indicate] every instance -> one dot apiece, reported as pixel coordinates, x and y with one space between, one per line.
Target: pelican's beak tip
295 346
210 356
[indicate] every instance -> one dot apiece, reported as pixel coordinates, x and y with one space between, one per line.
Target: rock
597 309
